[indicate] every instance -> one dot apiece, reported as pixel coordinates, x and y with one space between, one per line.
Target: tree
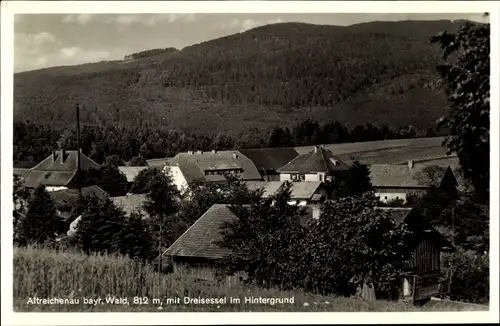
113 160
353 241
40 224
138 161
66 140
468 78
276 138
103 227
20 195
100 227
112 180
266 241
141 181
161 204
353 182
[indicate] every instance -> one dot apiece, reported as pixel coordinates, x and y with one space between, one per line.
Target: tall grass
45 273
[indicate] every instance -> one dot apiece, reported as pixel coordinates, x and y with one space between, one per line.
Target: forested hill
380 72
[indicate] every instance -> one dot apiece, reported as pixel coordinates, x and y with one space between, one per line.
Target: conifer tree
40 224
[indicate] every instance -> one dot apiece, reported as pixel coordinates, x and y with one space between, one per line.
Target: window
320 177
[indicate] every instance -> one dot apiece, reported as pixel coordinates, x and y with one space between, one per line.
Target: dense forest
33 142
383 73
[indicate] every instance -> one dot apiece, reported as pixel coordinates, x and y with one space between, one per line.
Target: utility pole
78 174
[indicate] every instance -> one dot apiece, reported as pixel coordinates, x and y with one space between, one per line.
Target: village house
58 170
422 277
310 194
213 166
131 203
269 160
318 165
196 252
397 182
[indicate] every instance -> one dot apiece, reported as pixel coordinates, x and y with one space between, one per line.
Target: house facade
397 182
213 166
319 165
58 171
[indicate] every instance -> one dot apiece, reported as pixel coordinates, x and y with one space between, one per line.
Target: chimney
235 155
411 164
190 152
62 154
214 151
199 152
54 156
315 149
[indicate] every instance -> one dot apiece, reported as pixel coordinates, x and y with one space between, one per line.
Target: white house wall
388 196
177 177
49 189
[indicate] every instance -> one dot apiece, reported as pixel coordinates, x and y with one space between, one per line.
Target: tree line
33 142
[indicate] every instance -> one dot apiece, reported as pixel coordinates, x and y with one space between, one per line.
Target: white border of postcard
9 8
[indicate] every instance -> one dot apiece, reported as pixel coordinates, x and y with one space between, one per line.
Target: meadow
46 273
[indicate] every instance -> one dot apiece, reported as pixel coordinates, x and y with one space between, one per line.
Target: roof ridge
322 149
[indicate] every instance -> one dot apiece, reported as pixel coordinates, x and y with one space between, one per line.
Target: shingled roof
201 238
386 175
58 169
299 190
318 160
194 164
270 158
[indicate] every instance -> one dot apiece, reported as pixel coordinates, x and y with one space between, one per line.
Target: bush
469 276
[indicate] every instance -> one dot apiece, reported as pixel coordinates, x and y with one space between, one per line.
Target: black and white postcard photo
183 158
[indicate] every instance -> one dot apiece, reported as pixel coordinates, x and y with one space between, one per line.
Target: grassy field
46 274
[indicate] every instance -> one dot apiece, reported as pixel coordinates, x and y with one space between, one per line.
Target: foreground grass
44 274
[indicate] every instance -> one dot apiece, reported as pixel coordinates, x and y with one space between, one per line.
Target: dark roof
424 230
270 158
387 175
58 169
193 165
70 196
318 160
201 238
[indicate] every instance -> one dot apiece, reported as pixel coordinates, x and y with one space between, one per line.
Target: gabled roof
131 203
270 188
270 158
54 162
299 190
201 238
58 169
70 196
318 160
386 175
131 171
158 162
304 190
193 165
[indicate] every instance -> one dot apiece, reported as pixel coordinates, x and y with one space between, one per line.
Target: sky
46 40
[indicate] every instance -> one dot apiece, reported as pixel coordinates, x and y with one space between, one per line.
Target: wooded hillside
380 72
